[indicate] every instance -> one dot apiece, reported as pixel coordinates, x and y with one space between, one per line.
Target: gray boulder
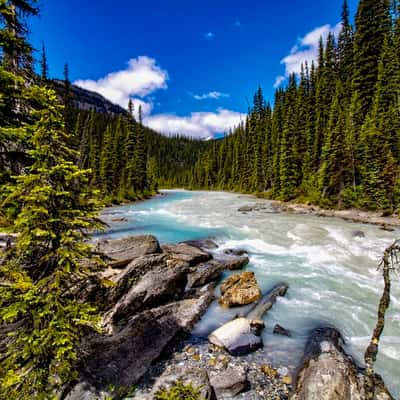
188 375
121 359
205 244
328 373
232 262
156 287
203 273
230 382
186 253
121 252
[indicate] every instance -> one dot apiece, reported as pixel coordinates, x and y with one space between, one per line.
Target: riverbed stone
240 289
186 253
280 330
205 244
204 273
120 252
188 375
230 382
232 262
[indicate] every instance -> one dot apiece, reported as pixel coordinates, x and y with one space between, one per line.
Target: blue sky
193 65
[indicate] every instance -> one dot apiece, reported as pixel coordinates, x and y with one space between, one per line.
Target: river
332 275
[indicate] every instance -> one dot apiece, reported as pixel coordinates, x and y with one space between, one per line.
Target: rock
279 330
239 290
205 244
232 262
269 371
197 377
125 278
247 208
287 380
235 252
359 234
240 336
230 382
387 228
85 391
122 251
204 273
328 373
153 289
120 219
184 252
121 359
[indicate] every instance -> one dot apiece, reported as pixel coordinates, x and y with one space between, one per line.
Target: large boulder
186 253
232 261
205 244
328 373
125 278
230 382
239 290
203 273
154 288
120 359
188 375
121 252
239 336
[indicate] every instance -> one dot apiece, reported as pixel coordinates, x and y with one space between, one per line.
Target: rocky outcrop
203 273
239 290
186 253
229 383
120 359
120 252
158 286
196 377
328 373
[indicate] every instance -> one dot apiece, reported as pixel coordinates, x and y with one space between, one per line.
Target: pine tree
373 23
44 66
56 212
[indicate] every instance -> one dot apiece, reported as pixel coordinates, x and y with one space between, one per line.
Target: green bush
179 391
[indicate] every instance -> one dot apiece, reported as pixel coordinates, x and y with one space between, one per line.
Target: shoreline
351 215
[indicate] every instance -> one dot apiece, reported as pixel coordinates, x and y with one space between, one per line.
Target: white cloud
279 79
209 36
306 49
141 77
198 124
211 95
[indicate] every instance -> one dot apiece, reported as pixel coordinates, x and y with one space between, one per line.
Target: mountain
87 100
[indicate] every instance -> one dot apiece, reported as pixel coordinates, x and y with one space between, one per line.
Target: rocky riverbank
151 296
386 222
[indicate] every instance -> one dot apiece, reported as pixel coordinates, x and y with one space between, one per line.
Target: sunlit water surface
332 275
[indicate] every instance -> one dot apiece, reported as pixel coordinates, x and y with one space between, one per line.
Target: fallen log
267 301
243 335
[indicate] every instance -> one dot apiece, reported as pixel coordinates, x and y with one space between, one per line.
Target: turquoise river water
332 275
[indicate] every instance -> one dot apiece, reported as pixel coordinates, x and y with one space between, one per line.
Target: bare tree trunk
389 260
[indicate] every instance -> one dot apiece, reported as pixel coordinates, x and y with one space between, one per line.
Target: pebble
263 378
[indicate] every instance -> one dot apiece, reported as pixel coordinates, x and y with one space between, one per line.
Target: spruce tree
56 213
